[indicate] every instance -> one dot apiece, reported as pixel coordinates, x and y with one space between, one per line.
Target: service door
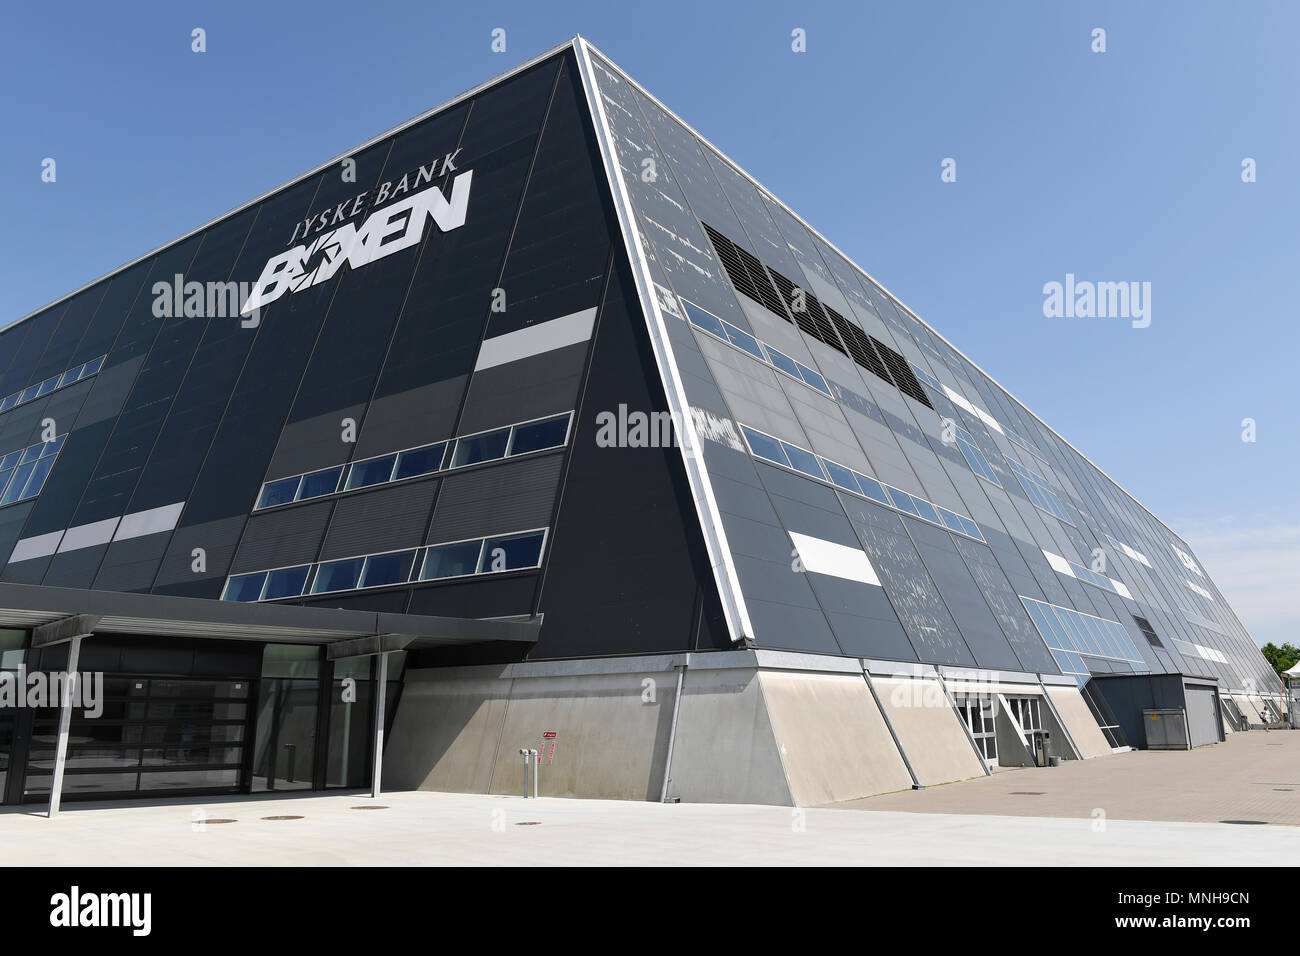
1202 715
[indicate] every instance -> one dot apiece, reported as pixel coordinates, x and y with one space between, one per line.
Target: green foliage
1282 658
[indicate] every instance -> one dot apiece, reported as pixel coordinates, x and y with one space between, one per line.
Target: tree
1282 658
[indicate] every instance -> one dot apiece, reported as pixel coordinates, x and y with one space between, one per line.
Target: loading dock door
1202 715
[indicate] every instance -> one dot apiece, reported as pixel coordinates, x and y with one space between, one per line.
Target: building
537 423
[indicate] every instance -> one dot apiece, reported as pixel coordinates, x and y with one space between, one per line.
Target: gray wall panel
281 538
387 519
509 497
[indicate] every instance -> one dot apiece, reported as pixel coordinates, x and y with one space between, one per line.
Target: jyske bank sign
397 226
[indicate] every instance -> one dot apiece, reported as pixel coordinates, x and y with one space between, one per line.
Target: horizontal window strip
509 441
492 554
53 383
771 449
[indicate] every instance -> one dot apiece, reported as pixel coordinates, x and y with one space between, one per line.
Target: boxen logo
385 231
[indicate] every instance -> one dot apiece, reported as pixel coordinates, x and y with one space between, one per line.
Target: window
783 362
451 560
486 446
974 457
53 382
872 488
279 492
419 461
744 341
978 713
902 501
1074 637
245 587
324 482
373 471
24 471
1038 491
536 436
1147 631
926 510
841 476
391 568
337 575
801 460
764 446
951 521
704 320
285 582
509 552
813 379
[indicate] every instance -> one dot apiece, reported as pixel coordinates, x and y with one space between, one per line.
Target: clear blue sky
1117 166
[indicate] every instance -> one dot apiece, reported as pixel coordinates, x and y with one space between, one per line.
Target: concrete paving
1252 776
1155 808
420 828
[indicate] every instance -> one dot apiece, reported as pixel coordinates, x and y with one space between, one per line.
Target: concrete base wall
756 727
929 730
1078 720
832 739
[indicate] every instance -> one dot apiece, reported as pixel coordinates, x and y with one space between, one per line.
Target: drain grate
286 816
529 823
1026 793
218 820
1258 823
372 806
1284 789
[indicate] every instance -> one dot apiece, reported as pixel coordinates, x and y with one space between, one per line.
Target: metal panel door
1202 715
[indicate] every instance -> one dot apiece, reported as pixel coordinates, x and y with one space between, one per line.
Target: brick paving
1252 776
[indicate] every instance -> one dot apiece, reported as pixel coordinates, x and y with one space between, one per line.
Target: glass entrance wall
151 734
978 713
351 727
287 715
13 645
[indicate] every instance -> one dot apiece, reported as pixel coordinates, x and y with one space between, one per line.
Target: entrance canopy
60 614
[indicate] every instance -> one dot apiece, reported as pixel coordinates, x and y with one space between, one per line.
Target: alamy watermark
37 689
205 300
1084 299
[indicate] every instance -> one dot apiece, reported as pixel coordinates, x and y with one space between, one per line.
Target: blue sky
1115 166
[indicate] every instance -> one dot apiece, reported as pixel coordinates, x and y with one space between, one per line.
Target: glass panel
926 510
950 520
9 402
705 320
804 461
484 447
11 459
451 560
70 376
285 582
840 475
506 552
764 446
902 500
419 461
813 379
19 482
29 393
783 362
47 386
381 569
37 480
278 492
52 446
31 453
374 471
744 341
324 482
548 433
337 575
285 752
245 587
93 366
971 527
872 488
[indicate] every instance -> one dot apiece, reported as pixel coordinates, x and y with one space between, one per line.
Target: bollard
529 756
